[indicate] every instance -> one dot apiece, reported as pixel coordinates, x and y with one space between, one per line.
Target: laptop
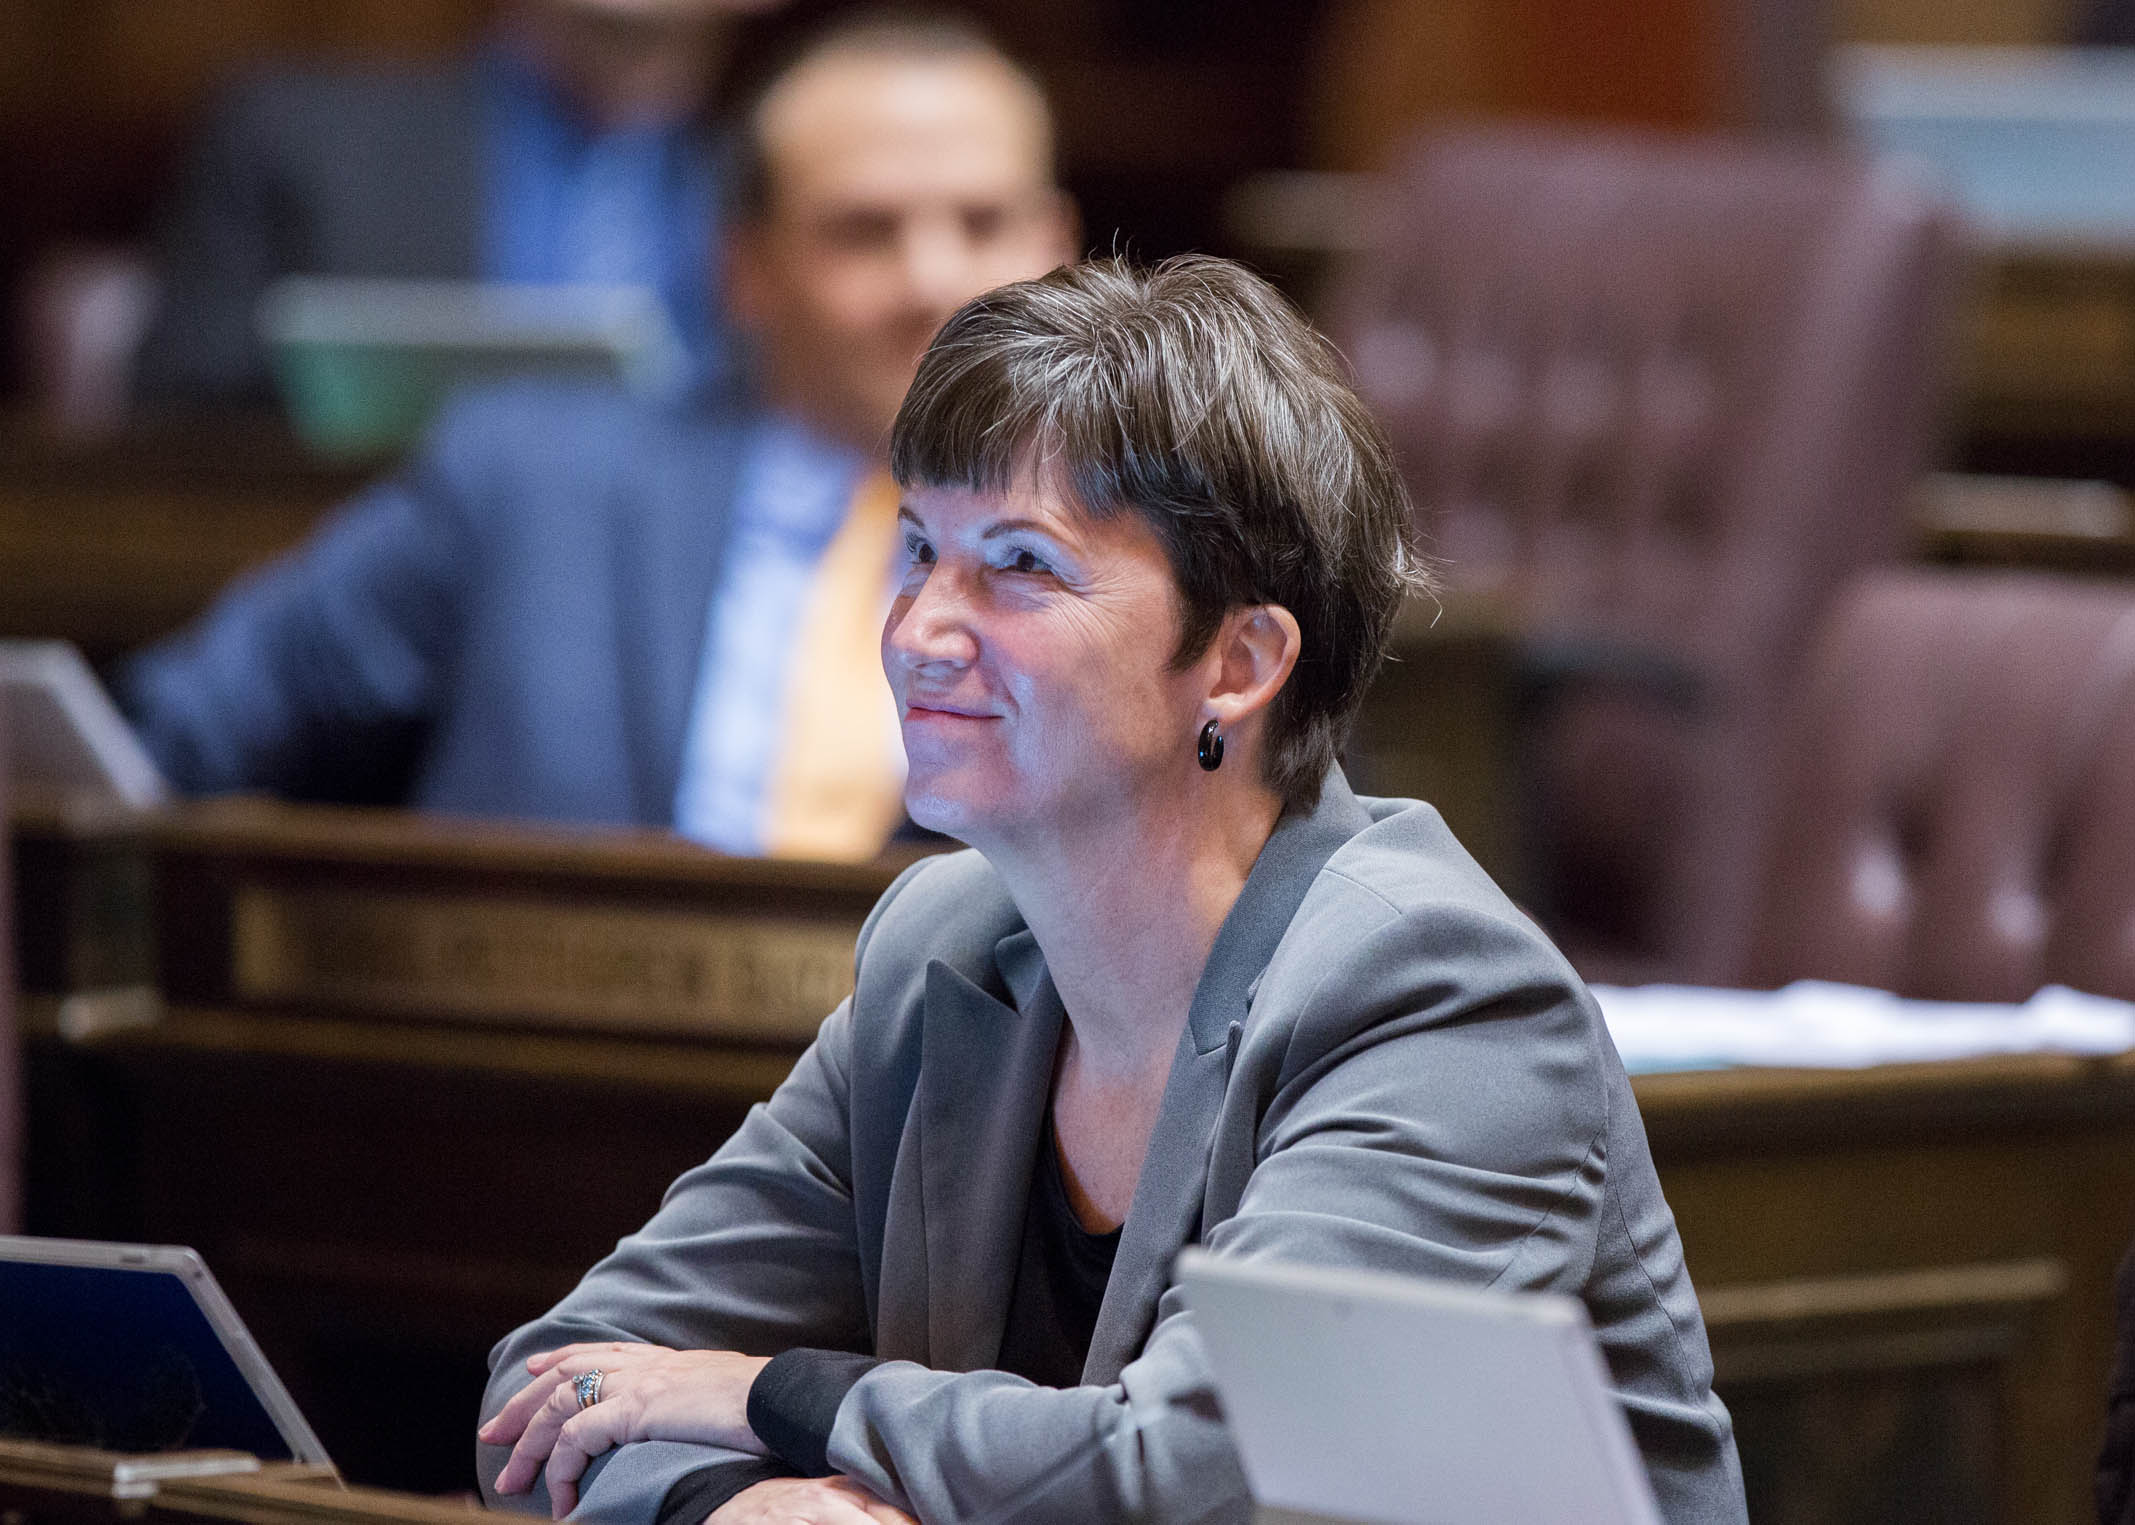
1368 1399
64 735
133 1348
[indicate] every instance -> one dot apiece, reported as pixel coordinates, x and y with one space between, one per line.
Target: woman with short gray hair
1187 989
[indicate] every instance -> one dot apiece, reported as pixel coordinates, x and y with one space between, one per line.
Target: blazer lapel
1167 1203
986 1070
1166 1211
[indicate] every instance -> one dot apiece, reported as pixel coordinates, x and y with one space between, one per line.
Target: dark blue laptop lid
122 1358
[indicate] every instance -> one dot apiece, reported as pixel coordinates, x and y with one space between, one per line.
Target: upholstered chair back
1958 807
1655 398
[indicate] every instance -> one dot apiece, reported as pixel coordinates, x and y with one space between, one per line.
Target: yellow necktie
837 788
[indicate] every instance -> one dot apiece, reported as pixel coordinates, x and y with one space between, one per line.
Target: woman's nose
931 625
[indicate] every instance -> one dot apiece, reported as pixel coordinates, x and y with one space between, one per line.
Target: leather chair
1958 804
1655 399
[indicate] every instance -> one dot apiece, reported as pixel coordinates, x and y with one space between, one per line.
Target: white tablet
133 1348
1354 1396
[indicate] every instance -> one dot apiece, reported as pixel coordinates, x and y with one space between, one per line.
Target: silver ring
588 1388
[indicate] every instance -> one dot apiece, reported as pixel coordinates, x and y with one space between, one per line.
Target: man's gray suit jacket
1385 1065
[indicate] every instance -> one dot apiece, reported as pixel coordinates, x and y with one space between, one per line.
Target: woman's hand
807 1501
647 1392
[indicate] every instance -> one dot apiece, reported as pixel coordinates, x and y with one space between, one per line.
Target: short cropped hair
1192 394
894 31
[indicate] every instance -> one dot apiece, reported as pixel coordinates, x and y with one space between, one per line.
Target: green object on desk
363 365
351 401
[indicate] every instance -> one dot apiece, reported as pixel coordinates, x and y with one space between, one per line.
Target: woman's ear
1256 649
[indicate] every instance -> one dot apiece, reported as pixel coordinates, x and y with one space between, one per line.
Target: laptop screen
122 1359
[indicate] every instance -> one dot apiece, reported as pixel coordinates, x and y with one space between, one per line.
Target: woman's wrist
793 1404
696 1495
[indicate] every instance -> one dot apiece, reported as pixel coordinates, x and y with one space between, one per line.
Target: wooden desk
1906 1271
400 1081
113 545
2046 365
2044 523
1907 1274
2051 349
75 1485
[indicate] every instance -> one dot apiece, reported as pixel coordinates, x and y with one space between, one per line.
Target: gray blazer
1385 1065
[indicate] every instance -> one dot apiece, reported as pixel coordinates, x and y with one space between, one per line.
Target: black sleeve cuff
696 1494
794 1401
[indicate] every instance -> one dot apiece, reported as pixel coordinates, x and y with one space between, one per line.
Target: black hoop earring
1209 750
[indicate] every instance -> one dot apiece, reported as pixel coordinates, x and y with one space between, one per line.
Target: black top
1052 1313
1060 1282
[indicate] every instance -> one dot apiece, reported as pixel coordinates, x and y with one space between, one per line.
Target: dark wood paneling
113 546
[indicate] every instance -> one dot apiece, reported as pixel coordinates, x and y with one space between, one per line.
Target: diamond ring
588 1388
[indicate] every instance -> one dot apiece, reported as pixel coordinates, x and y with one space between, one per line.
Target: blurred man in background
579 606
572 146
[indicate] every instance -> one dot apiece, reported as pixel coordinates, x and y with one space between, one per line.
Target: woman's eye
1027 561
919 552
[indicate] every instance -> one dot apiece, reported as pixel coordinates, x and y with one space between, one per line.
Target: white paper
1815 1024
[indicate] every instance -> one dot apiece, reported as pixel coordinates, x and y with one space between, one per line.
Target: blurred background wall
1164 104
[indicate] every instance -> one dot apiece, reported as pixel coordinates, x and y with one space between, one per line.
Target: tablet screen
121 1359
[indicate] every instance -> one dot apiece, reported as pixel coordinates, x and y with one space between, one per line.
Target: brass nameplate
495 959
